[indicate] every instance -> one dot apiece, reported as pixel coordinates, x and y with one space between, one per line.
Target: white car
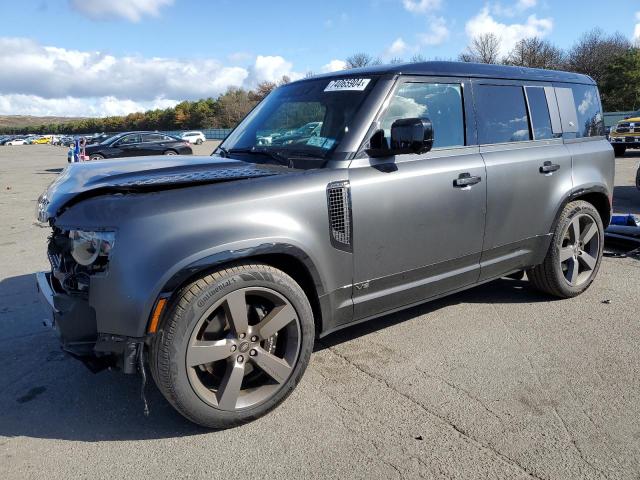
17 141
194 137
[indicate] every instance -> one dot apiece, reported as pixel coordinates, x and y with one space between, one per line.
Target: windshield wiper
276 155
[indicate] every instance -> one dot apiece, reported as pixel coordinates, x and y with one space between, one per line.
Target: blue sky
97 57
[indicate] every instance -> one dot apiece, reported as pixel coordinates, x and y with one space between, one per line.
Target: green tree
620 87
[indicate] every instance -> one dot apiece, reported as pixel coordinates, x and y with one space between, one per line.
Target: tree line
610 59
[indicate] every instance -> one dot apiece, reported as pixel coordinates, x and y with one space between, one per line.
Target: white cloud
508 34
437 33
517 8
132 10
422 6
334 66
60 81
396 49
13 104
636 33
270 68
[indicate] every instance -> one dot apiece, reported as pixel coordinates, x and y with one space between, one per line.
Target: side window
502 114
129 139
152 137
439 102
539 111
590 120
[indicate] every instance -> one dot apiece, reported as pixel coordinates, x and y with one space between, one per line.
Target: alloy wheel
243 349
580 249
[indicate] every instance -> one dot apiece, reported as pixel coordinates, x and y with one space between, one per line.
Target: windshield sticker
321 142
348 84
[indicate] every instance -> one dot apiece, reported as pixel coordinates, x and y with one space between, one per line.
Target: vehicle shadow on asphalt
45 393
50 171
500 291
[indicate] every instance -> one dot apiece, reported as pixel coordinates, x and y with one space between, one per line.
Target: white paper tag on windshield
344 84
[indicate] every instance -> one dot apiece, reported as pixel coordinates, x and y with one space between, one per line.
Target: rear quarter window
589 110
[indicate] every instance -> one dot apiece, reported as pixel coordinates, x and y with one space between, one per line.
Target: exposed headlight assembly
89 247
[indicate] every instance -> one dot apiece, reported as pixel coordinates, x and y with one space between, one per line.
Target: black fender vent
339 206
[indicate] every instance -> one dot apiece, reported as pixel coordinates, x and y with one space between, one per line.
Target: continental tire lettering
205 299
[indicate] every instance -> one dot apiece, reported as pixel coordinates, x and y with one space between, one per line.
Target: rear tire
252 326
199 141
170 152
575 253
96 156
619 150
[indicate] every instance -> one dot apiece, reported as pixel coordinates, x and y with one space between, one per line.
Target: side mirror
411 135
408 135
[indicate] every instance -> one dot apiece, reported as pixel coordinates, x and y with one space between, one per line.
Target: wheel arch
596 195
290 259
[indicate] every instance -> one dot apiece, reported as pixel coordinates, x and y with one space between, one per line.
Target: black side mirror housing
408 135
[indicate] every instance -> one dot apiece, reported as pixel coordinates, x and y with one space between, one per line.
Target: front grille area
339 206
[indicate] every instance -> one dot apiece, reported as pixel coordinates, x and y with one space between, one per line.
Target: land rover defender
416 181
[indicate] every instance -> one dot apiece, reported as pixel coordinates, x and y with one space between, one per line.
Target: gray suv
218 273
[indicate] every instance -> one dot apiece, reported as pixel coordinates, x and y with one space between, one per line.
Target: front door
417 228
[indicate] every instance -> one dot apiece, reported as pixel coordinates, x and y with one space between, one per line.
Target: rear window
590 120
154 137
502 114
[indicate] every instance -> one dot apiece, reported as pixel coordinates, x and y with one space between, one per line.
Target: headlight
88 247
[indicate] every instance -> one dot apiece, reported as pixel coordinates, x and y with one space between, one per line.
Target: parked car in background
424 179
299 135
17 141
625 134
138 144
99 138
41 140
197 138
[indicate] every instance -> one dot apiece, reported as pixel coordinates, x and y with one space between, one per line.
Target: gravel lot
496 382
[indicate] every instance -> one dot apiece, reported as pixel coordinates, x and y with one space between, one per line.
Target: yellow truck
626 134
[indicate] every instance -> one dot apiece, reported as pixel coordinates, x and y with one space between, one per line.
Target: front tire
233 345
96 156
170 152
199 141
575 253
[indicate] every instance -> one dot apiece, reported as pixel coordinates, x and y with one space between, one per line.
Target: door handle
466 180
548 167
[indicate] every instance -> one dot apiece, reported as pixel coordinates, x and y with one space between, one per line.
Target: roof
463 69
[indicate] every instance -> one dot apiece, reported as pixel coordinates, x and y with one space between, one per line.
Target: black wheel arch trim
580 192
258 252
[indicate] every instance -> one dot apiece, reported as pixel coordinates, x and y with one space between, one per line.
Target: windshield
307 118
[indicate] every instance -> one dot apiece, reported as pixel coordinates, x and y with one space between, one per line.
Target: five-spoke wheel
233 345
243 348
580 249
575 252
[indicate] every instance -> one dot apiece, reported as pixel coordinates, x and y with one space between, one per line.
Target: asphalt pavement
498 382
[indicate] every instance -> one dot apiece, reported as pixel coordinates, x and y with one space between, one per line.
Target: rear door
417 230
528 170
127 146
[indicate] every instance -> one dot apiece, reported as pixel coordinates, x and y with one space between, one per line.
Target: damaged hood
144 174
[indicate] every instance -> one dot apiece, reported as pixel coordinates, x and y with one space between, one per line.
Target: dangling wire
144 379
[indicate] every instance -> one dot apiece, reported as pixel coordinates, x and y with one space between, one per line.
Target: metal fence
209 133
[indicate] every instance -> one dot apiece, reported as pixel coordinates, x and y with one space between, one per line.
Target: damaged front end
77 256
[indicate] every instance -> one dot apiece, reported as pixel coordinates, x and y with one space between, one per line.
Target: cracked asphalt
498 382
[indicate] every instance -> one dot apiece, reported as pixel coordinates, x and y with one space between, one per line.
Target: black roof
463 69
